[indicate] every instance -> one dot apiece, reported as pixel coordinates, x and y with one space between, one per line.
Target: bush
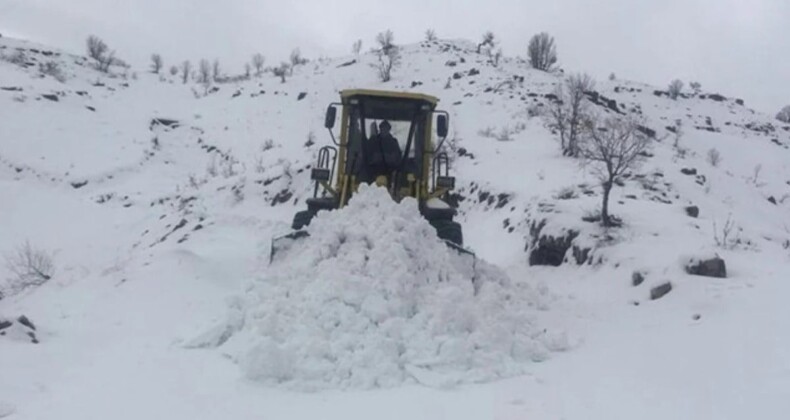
100 52
541 52
430 35
29 267
674 88
714 157
186 68
156 63
173 70
388 55
52 68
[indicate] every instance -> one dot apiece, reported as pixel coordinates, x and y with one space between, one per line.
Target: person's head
384 127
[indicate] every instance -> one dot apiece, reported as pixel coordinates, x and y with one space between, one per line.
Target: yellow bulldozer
386 138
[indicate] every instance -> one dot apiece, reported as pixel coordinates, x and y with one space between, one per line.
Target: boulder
713 267
660 291
692 211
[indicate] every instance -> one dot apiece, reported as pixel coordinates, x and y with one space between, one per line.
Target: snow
163 302
374 299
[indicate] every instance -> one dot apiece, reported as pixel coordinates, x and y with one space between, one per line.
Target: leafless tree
215 70
257 62
612 147
29 267
156 63
488 39
696 87
296 58
204 71
675 87
357 47
281 71
569 111
541 52
386 40
784 115
186 68
430 35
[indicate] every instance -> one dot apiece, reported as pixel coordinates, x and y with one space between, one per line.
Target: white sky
737 47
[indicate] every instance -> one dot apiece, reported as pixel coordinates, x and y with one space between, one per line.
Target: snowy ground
175 222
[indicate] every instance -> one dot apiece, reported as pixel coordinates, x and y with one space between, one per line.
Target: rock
692 211
474 72
688 171
26 322
79 184
660 291
301 96
11 88
714 267
457 75
90 108
739 102
637 278
547 249
716 97
772 199
347 63
53 98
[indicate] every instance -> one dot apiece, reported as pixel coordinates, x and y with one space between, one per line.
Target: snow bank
374 299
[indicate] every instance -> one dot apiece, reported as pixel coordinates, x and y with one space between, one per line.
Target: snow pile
374 299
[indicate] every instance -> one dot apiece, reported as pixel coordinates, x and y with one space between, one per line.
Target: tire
449 230
302 219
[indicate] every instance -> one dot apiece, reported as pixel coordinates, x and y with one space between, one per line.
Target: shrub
541 52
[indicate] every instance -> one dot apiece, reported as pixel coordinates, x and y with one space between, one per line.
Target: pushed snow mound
374 299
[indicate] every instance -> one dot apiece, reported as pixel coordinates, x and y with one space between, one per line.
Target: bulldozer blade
284 242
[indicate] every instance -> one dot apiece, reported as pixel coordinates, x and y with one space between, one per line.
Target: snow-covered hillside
158 201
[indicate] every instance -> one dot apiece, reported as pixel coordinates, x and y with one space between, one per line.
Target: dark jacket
383 155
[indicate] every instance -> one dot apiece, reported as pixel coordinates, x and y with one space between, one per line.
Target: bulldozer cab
409 160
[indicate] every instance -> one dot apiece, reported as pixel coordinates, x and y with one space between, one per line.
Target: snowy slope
156 228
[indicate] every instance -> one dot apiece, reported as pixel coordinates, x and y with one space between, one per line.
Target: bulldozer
420 169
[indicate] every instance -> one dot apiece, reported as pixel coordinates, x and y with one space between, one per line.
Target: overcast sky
737 47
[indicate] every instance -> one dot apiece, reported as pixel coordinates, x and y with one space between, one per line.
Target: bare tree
541 52
696 87
29 267
357 47
186 68
247 70
488 39
204 71
257 62
784 115
156 63
281 71
675 87
612 147
296 58
569 111
430 35
215 70
386 40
